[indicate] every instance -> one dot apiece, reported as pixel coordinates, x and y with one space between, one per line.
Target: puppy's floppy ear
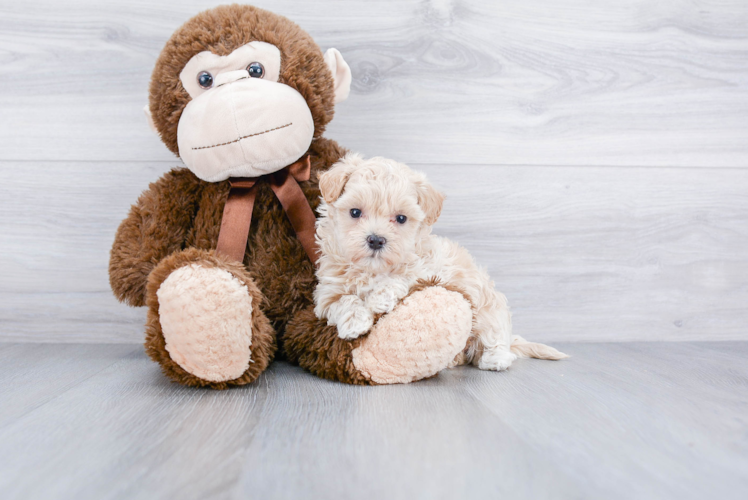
429 198
332 182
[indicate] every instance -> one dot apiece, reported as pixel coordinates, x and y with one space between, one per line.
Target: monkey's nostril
375 242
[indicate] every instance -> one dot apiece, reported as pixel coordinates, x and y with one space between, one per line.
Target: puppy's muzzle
375 242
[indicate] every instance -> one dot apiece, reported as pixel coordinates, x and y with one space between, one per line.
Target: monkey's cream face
377 217
241 121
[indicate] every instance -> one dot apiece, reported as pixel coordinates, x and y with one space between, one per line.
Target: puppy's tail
525 349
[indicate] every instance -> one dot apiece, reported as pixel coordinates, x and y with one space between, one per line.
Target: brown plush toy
243 96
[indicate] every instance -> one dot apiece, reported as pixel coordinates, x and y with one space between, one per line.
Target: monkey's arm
156 226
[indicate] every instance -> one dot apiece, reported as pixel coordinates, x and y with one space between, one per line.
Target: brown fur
315 346
177 220
222 30
179 212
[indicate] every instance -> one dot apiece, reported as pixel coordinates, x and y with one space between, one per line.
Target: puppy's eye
355 213
205 80
401 219
256 70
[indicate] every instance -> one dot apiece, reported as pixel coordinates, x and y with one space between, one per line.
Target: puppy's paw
496 359
355 322
382 300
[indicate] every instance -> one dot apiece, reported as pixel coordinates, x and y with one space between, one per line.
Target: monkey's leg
205 326
418 339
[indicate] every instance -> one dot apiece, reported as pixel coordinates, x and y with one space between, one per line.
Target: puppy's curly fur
376 243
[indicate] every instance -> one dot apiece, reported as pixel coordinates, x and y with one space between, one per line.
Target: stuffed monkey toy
223 252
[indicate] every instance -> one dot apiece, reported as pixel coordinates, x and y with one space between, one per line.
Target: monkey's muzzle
246 127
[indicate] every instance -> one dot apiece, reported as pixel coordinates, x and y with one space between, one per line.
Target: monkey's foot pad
206 319
419 338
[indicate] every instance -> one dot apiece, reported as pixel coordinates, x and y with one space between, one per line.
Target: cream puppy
374 234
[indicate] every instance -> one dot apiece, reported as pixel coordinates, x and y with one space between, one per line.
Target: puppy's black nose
375 242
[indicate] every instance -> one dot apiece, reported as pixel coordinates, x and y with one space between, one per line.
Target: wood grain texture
484 96
613 254
114 435
615 421
582 253
33 374
532 82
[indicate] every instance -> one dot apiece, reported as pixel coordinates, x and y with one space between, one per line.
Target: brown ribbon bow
237 214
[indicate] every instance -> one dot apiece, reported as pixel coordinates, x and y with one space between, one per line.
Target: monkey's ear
332 182
147 111
430 199
341 74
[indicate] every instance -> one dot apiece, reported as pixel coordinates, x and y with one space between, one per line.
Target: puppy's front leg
351 316
385 296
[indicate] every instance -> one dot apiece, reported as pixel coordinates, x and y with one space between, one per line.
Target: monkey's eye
401 219
256 70
355 213
205 80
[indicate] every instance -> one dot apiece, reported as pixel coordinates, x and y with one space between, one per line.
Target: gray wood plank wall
595 154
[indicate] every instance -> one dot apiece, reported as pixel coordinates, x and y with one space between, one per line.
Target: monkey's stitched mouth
244 137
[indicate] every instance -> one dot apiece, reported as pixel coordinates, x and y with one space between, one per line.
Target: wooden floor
629 420
595 160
